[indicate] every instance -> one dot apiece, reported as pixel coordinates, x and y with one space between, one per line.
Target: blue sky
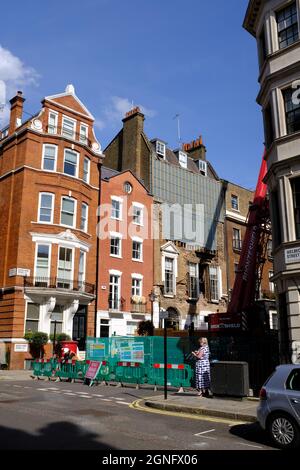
187 57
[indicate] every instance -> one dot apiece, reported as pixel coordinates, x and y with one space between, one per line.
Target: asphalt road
62 415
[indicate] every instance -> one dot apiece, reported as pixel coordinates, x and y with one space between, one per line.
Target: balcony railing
73 285
237 244
81 138
116 304
138 308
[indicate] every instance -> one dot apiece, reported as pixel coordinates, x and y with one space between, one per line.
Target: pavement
190 403
15 374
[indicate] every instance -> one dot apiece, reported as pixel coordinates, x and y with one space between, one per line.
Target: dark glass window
293 382
295 182
269 128
276 222
262 47
292 111
287 22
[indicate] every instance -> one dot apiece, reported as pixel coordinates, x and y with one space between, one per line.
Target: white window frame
120 201
75 211
64 117
196 266
141 242
26 316
117 236
271 284
161 148
173 274
81 252
72 269
87 173
183 159
202 167
219 283
55 157
238 202
52 207
116 274
85 228
55 113
139 278
138 205
49 257
77 162
169 254
83 138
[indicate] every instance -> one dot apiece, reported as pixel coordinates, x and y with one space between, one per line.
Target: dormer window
182 158
202 166
161 148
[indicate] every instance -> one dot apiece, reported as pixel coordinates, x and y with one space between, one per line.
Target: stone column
68 315
46 308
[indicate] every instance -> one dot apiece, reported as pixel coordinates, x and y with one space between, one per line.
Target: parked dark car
279 409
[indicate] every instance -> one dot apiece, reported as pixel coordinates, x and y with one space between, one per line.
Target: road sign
163 314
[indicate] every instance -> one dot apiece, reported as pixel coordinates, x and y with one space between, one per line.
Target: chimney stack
196 149
133 127
16 112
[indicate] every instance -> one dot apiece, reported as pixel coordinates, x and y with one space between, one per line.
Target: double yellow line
138 405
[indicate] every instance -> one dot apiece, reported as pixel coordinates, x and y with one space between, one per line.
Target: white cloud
14 74
117 109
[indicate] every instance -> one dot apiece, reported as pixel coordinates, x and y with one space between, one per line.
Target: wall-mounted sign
18 272
23 347
292 255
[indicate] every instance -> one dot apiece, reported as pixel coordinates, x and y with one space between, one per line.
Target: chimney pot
16 112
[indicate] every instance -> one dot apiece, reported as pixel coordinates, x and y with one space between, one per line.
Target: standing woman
202 368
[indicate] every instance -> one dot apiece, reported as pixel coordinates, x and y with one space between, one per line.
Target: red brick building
126 254
49 190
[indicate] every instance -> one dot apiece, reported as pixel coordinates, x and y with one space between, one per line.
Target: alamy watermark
296 94
168 221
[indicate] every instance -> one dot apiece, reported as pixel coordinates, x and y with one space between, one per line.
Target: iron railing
116 304
138 308
73 285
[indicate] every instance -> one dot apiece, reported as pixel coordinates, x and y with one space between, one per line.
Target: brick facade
24 176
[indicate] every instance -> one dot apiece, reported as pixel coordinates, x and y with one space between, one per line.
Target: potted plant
37 341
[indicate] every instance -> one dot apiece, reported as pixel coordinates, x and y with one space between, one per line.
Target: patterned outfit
203 370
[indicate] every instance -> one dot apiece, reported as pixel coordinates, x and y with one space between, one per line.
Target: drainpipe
226 250
99 165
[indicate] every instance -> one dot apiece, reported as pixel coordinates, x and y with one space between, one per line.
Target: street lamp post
54 338
152 298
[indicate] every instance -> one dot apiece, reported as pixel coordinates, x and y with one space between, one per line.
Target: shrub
37 341
145 328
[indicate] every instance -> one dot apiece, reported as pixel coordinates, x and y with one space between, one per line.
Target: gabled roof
108 173
70 101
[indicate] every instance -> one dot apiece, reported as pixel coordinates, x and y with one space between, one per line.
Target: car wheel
283 431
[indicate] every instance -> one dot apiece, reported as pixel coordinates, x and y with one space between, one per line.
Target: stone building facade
275 24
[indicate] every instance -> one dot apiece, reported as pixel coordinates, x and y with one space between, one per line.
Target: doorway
79 327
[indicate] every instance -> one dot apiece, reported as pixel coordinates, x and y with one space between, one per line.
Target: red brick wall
126 265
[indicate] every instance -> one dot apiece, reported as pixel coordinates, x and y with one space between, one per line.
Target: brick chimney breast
16 112
196 149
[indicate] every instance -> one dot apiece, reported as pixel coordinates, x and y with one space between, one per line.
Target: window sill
169 296
137 260
115 256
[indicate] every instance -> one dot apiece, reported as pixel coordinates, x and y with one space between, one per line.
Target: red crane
253 255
